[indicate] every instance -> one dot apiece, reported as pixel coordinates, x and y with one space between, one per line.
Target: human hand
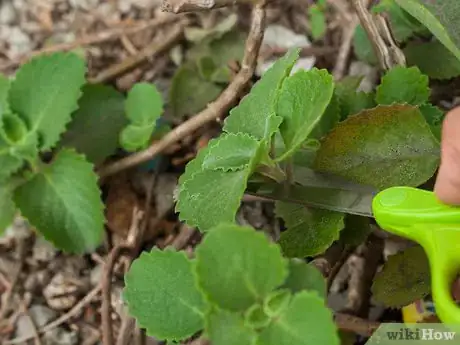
447 187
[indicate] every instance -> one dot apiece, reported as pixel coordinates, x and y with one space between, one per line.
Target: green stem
272 172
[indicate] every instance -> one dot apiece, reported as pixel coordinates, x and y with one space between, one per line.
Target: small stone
37 280
84 4
164 189
19 42
370 74
59 336
42 315
96 275
7 13
277 36
43 251
61 293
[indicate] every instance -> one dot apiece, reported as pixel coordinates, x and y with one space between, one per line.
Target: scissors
408 212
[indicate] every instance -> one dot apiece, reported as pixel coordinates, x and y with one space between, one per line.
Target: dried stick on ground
149 52
214 110
178 6
98 37
386 49
106 308
355 324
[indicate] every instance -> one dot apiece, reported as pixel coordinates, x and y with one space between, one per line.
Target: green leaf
190 93
440 17
45 93
211 197
433 59
317 21
405 278
63 202
306 321
9 162
7 207
161 294
403 85
303 276
231 152
224 327
356 230
309 231
230 47
256 318
434 116
382 147
362 46
195 165
350 100
276 302
303 100
237 266
96 125
327 122
144 106
255 115
4 88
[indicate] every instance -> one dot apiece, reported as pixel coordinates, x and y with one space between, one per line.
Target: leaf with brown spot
382 147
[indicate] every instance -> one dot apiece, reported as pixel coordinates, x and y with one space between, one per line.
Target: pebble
7 13
60 293
18 41
41 316
43 251
281 37
370 74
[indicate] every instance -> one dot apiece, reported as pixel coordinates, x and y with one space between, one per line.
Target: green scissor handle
418 215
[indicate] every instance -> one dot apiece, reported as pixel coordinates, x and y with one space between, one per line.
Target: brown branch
149 52
214 110
98 37
355 324
379 33
178 6
106 308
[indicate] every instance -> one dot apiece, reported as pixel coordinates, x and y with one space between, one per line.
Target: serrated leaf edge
401 68
100 206
37 60
129 309
216 143
222 227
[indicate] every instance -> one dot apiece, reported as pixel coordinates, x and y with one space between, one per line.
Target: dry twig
178 6
106 309
149 52
99 37
71 313
214 110
385 47
355 324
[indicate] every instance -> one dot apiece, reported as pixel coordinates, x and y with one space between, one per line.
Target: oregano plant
54 127
241 285
238 287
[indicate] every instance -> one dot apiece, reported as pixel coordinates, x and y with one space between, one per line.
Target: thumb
447 187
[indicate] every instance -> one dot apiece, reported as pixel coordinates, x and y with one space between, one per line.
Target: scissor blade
329 196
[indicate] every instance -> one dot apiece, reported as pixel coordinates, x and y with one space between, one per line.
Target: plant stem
272 172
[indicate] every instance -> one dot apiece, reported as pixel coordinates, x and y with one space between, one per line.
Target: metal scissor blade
322 191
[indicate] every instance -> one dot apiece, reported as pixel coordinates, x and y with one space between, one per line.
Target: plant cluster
54 128
240 287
